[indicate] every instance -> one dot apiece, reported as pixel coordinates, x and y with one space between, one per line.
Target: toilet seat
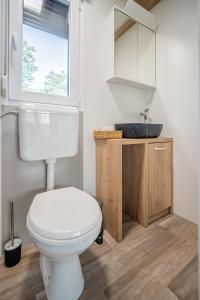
75 242
63 214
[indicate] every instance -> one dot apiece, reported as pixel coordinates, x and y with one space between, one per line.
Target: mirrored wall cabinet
131 52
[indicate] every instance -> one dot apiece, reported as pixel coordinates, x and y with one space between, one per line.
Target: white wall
126 54
103 103
21 180
146 55
176 102
1 73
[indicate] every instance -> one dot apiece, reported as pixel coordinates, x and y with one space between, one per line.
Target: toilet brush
12 249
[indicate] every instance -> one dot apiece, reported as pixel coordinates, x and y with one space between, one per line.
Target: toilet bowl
63 223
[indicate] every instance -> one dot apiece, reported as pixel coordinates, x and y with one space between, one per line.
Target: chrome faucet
145 115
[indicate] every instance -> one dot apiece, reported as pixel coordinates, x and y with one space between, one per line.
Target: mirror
135 50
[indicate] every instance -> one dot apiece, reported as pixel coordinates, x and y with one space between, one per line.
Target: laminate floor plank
154 263
119 271
185 283
180 227
158 273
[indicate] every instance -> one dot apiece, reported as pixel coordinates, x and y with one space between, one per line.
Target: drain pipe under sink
50 173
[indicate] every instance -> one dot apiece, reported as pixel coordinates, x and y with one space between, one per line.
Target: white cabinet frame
110 55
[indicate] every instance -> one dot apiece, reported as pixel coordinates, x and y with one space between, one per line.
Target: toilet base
63 278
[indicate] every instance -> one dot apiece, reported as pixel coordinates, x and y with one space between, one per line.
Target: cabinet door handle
160 149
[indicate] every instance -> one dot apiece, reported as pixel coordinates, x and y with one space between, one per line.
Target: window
44 51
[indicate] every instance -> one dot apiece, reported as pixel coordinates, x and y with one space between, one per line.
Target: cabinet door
160 177
146 55
126 46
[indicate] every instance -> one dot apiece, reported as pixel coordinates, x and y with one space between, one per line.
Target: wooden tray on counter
108 134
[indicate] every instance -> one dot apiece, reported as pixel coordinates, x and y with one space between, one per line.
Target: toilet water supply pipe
50 173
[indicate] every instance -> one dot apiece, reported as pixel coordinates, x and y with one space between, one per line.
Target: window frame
15 93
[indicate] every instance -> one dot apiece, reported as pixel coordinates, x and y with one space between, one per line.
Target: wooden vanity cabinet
134 177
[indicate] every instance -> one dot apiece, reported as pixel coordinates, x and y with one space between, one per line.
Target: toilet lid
64 213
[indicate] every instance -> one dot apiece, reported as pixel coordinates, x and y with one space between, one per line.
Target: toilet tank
47 131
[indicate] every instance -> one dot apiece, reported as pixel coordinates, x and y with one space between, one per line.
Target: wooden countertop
135 141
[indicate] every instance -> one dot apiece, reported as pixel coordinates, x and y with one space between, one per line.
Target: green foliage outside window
54 83
28 66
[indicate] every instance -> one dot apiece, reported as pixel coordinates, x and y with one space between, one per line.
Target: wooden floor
157 263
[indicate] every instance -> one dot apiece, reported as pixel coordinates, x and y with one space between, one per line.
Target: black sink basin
139 130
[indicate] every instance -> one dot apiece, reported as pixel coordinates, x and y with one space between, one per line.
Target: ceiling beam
147 4
123 28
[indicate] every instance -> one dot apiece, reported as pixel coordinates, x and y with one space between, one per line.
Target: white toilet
64 222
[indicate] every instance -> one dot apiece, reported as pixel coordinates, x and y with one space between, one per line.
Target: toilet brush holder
12 249
12 253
